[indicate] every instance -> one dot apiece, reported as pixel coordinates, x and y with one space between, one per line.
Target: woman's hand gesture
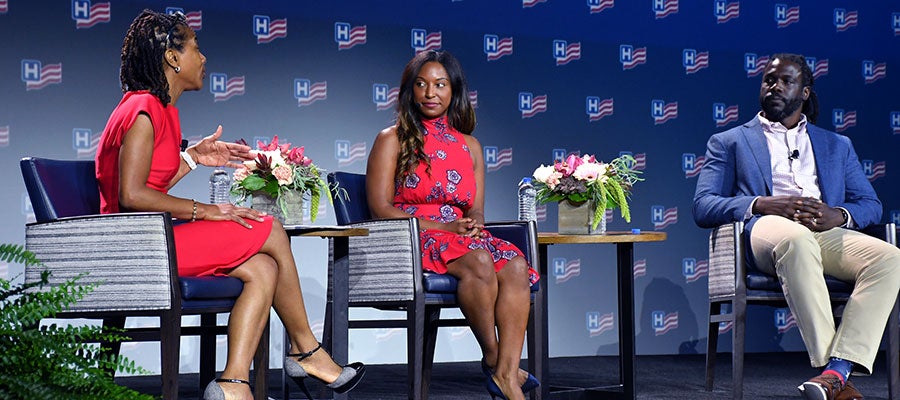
214 153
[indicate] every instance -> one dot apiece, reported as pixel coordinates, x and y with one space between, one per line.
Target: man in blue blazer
801 191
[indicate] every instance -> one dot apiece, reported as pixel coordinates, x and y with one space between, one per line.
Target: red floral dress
443 196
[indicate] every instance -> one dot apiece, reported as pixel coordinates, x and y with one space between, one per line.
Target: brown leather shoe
823 387
849 393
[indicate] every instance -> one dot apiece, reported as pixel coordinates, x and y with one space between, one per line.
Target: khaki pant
800 257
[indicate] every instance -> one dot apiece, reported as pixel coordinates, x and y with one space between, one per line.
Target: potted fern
51 361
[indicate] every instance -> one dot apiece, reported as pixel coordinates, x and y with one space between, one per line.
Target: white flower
543 173
589 171
275 158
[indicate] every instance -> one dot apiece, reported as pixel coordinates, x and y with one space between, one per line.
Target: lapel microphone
794 154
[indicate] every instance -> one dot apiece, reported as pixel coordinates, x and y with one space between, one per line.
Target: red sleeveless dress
201 247
444 195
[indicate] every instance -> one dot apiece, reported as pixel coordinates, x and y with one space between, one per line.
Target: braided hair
811 104
149 36
410 132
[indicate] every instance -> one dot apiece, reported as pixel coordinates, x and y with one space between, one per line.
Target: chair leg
432 315
712 341
893 352
739 309
415 333
261 366
207 349
169 348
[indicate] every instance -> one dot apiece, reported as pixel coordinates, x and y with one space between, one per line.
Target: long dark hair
811 104
410 132
149 36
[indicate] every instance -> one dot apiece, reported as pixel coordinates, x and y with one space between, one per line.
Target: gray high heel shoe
346 381
214 391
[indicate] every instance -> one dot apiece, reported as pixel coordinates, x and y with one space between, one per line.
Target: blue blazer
738 169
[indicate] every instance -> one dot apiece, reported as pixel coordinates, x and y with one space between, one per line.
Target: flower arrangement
581 179
276 170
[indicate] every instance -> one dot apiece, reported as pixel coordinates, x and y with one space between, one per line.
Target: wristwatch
844 215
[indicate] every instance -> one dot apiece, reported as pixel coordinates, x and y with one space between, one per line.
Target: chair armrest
726 260
886 232
130 256
386 265
522 234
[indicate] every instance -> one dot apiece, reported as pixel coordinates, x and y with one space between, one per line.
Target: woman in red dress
429 165
138 161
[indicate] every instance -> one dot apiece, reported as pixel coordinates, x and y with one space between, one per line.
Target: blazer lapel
756 140
825 167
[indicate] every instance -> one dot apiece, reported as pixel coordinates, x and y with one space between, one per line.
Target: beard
776 112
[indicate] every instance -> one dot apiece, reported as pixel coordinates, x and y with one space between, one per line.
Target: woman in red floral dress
430 166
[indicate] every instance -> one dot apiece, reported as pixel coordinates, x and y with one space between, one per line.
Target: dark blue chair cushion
443 283
60 188
350 204
760 282
210 287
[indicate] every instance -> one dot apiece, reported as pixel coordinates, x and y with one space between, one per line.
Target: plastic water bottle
527 199
219 187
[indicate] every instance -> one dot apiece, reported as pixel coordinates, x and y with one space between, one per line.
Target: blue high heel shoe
530 384
493 389
346 381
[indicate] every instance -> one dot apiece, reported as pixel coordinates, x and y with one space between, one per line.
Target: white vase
577 219
292 214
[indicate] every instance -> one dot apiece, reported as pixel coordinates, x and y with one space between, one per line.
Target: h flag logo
754 65
691 164
531 3
565 53
785 16
597 109
530 105
495 158
693 270
87 15
307 92
37 76
559 155
694 61
194 19
784 320
563 269
662 111
873 170
895 23
599 5
895 216
723 115
346 153
348 36
664 8
639 268
843 120
224 88
818 67
872 72
895 122
495 48
726 11
597 324
662 217
4 6
424 41
4 136
639 163
85 143
844 19
384 97
662 323
266 29
631 57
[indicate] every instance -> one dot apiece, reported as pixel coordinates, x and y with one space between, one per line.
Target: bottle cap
635 231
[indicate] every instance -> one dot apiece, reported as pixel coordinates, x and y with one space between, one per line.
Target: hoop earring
177 69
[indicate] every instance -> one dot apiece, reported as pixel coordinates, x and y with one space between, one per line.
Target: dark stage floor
767 376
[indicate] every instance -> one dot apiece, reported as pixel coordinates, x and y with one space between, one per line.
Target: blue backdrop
653 78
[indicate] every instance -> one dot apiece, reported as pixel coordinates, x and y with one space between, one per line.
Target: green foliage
50 361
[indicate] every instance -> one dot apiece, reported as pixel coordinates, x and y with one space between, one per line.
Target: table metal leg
624 263
340 322
541 370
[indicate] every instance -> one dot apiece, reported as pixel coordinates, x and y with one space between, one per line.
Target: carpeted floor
681 377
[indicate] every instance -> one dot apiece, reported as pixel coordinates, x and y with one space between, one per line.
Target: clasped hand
467 227
807 211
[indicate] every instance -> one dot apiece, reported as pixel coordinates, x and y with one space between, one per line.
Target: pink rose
241 173
284 174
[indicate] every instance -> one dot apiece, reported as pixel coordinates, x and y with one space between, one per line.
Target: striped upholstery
722 259
111 251
383 265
